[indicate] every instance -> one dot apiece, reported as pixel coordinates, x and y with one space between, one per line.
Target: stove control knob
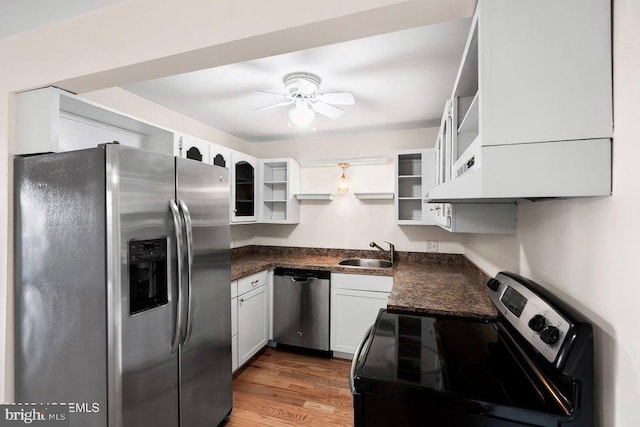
493 284
537 322
550 335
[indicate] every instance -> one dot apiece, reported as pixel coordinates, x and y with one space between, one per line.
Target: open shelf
467 79
415 174
373 196
410 165
275 172
469 123
275 191
315 196
275 210
279 181
409 209
410 187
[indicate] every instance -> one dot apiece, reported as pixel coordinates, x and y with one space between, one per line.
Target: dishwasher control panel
303 274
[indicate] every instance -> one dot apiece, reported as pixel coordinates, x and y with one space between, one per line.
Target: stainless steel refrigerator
122 270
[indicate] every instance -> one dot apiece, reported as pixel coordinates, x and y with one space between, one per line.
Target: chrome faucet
391 251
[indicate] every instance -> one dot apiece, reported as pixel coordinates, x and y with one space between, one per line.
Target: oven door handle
356 357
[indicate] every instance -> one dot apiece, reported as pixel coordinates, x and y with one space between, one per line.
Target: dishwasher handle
302 279
356 358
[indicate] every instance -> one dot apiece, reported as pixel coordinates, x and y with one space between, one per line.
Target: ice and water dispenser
148 285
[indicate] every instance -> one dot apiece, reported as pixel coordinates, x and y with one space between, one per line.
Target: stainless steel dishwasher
301 308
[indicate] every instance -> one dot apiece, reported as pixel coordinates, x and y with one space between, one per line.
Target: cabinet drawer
254 281
234 289
361 282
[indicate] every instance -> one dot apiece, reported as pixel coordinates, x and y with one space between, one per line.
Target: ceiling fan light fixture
302 90
301 116
301 83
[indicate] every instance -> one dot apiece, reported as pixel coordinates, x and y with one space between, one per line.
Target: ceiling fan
302 92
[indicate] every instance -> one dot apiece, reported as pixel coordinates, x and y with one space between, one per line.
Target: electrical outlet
432 246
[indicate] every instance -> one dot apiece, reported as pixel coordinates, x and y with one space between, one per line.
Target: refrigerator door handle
189 235
177 225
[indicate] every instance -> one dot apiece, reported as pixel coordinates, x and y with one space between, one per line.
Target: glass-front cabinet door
243 188
442 211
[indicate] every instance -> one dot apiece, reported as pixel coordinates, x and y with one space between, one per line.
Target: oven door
358 404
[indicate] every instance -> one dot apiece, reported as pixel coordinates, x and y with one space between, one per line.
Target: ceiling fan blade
338 98
327 110
280 95
279 104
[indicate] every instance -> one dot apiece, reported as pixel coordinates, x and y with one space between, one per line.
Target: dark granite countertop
435 284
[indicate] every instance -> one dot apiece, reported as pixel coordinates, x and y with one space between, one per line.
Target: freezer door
60 309
205 356
142 255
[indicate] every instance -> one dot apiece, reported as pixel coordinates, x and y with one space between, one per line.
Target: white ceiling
400 81
19 16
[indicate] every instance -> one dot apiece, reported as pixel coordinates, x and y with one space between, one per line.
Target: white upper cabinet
52 120
531 109
488 218
190 147
415 175
219 155
278 183
496 218
243 188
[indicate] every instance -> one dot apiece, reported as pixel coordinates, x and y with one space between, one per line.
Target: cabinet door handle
241 299
254 283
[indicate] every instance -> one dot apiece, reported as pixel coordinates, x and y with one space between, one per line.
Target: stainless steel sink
370 263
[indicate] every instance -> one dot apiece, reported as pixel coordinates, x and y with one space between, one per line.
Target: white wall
142 108
347 222
586 250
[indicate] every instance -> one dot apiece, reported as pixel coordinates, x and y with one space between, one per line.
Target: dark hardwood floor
281 388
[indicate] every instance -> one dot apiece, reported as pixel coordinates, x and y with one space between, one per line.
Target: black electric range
532 366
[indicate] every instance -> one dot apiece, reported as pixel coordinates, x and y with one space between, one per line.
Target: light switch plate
432 246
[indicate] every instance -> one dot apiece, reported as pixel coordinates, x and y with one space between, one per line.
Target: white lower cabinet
234 353
234 334
234 325
253 322
250 316
255 319
355 303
